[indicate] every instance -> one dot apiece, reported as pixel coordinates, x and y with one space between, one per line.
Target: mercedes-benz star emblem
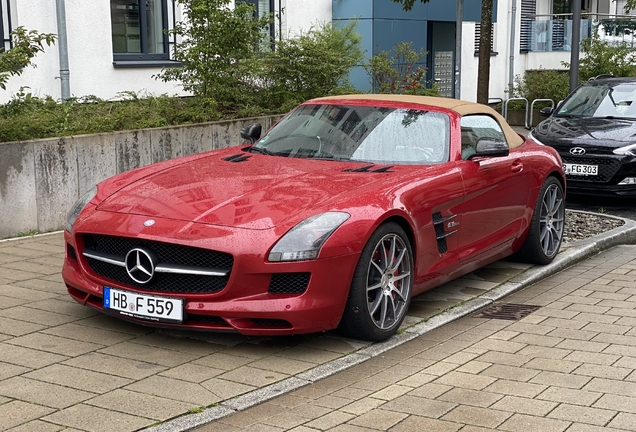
149 222
140 265
577 151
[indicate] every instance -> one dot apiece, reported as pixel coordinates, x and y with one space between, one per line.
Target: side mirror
546 112
490 147
252 132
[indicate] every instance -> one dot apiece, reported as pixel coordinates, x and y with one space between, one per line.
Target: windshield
360 133
601 101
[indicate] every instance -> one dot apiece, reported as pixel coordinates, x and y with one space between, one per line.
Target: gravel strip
579 226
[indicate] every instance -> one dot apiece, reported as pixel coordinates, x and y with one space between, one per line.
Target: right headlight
629 150
78 207
303 242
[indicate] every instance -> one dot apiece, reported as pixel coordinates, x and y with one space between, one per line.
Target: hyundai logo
577 151
140 265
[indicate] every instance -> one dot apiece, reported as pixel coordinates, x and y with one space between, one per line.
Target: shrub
542 84
314 64
397 71
26 45
217 45
600 57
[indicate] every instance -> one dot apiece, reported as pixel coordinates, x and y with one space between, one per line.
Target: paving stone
515 404
353 393
108 364
252 377
419 423
223 361
600 371
80 379
489 418
510 372
430 390
580 414
95 419
464 380
15 413
282 365
176 342
331 401
500 345
504 358
582 345
9 302
532 339
192 372
14 327
27 357
469 397
525 423
88 334
473 367
54 344
534 351
176 390
620 388
224 389
364 405
378 419
541 364
38 426
148 354
331 420
410 405
140 404
624 421
391 392
417 380
515 388
593 358
570 396
616 403
42 393
59 306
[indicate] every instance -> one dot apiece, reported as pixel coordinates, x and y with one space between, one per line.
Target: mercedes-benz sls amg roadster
334 218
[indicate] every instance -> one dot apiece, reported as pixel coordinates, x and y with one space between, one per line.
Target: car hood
258 193
606 133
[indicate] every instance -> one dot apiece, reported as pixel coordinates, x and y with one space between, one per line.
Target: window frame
5 25
145 58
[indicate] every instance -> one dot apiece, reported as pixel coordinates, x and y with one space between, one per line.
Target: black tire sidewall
356 320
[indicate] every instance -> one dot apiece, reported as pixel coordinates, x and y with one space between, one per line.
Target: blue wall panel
345 9
387 9
387 33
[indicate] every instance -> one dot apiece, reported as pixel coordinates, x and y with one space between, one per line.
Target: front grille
168 253
607 167
289 283
205 319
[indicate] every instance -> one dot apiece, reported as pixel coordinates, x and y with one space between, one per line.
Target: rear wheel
545 234
382 284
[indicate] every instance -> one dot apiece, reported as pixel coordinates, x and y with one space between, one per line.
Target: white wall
301 15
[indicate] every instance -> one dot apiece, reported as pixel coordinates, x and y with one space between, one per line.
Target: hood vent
367 168
237 158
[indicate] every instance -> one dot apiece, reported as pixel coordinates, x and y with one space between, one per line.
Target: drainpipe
458 48
62 43
513 24
574 46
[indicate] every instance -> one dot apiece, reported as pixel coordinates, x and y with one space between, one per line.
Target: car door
495 192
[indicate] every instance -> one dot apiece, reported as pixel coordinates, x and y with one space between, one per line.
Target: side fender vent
440 231
367 168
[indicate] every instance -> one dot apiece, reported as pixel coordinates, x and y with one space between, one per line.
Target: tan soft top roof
459 106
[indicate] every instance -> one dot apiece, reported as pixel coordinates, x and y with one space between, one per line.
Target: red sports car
335 218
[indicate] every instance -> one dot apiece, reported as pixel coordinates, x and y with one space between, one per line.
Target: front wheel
381 288
545 234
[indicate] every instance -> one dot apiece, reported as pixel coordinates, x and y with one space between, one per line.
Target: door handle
517 166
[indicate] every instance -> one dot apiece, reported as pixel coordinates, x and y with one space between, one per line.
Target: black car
594 131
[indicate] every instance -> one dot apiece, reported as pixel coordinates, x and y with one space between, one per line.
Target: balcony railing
544 33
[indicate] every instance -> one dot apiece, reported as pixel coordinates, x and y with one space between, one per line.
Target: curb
572 254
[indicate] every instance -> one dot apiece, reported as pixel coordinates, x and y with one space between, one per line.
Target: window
139 30
478 38
5 25
475 127
263 8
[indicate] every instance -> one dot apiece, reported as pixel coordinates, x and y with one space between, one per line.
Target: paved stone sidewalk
568 366
66 366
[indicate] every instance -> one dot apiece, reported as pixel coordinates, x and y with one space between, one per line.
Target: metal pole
458 48
513 24
65 74
574 46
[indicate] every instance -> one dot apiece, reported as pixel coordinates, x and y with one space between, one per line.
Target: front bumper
245 304
613 169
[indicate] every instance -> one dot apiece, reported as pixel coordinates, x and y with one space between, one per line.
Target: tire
545 234
381 287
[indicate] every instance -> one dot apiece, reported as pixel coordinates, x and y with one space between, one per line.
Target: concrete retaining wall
40 180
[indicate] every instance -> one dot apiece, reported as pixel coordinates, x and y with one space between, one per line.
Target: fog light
628 181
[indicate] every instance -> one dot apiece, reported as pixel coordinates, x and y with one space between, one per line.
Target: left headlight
303 242
78 207
629 150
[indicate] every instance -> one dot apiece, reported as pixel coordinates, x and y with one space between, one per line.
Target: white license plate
578 169
143 306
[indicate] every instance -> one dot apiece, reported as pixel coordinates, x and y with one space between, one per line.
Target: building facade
117 46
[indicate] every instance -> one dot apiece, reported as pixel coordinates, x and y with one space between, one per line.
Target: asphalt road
623 207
